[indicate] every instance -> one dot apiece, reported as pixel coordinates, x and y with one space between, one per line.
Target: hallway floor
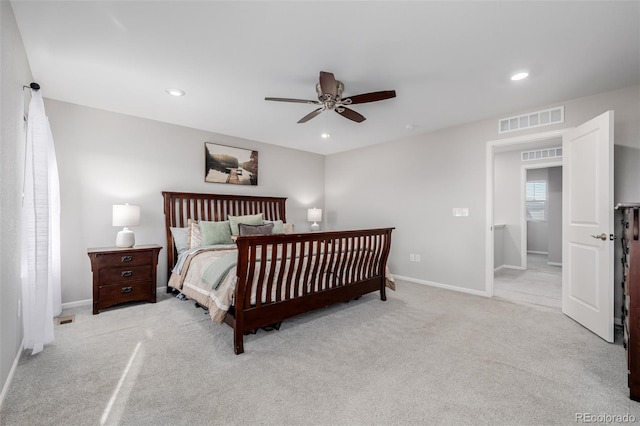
540 284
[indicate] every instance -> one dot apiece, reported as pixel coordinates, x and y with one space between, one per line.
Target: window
536 200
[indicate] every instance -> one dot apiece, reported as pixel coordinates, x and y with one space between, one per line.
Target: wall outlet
412 257
417 258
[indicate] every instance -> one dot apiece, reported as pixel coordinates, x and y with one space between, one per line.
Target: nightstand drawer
124 292
126 259
124 274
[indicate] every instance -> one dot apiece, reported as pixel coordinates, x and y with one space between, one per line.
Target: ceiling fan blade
371 97
310 115
299 101
328 84
351 114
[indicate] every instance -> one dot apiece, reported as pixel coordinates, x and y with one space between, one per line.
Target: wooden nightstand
123 275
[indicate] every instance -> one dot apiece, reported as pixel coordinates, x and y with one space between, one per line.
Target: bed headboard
181 206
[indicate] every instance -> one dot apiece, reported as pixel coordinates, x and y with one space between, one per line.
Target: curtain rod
34 86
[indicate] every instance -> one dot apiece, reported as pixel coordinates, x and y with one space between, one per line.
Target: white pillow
180 238
194 238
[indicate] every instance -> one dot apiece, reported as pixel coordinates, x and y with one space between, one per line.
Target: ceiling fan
330 98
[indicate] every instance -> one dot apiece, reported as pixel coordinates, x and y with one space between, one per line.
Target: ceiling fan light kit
329 92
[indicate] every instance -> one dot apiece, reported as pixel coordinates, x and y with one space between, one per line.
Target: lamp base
315 227
125 238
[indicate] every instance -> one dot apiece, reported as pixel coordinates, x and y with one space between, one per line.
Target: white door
587 203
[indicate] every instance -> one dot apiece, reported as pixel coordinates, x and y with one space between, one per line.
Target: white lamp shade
314 215
126 215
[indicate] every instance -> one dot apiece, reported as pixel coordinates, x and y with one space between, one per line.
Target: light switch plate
461 211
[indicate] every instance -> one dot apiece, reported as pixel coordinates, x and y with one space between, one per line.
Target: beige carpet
425 356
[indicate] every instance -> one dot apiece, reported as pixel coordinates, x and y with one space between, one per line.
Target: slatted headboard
179 207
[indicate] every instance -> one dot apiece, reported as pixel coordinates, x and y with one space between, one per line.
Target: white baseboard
537 252
555 264
12 372
517 268
444 286
77 303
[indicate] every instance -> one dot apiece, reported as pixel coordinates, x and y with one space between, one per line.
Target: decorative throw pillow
288 228
215 232
252 219
194 239
278 226
179 238
266 229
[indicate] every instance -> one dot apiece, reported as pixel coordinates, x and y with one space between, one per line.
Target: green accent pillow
215 232
278 226
251 219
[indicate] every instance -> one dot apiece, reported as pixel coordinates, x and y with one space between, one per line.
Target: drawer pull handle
127 273
127 258
126 289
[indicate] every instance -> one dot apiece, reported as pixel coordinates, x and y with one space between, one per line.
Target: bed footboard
281 276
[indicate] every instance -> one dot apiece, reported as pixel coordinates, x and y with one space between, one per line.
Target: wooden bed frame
345 265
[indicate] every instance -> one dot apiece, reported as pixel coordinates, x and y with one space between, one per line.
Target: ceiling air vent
533 119
542 154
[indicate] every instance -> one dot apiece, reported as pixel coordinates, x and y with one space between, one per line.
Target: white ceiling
449 62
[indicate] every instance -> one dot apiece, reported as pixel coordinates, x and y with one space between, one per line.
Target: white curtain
41 294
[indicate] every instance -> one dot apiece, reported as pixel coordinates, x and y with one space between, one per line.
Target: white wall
14 73
414 183
554 201
106 158
508 205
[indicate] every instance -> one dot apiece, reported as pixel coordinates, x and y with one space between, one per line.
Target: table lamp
125 215
314 215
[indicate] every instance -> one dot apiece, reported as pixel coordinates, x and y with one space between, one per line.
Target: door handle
602 236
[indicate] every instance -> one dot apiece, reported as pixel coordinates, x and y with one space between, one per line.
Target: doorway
506 208
587 217
528 202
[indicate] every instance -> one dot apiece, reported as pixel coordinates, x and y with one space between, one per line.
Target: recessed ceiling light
519 76
175 92
410 127
325 135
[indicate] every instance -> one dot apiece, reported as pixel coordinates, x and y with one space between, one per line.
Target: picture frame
230 165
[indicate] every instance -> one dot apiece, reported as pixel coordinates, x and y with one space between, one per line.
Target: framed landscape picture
226 164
